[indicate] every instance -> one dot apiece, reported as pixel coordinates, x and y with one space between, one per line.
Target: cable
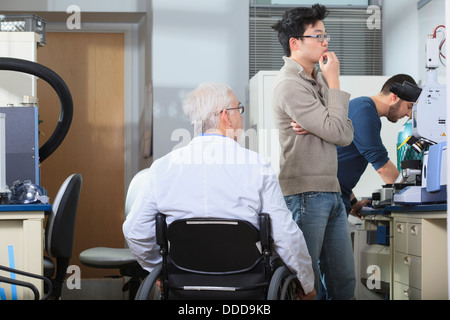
442 42
58 84
435 29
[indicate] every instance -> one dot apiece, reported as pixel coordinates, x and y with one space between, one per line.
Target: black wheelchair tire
148 283
279 284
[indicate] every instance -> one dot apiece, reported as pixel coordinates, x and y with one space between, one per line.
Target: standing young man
308 164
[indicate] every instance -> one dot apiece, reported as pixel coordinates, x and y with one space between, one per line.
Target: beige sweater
309 162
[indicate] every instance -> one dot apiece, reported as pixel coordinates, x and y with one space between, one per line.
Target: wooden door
92 65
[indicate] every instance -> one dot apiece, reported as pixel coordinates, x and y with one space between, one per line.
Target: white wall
194 41
404 36
400 37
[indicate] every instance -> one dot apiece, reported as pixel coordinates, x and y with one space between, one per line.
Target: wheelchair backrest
214 245
214 258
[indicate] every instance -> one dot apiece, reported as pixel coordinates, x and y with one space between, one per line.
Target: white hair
204 102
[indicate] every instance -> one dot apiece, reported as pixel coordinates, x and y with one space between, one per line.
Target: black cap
406 91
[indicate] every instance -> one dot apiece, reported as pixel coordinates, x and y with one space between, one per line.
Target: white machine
369 258
4 191
429 130
20 154
20 36
21 157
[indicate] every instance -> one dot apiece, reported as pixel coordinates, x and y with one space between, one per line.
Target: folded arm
329 123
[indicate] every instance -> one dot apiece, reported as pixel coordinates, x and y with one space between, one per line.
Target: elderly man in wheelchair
210 221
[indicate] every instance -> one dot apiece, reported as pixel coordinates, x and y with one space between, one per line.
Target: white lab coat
214 177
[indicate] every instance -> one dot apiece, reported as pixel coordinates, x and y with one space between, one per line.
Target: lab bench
417 242
419 252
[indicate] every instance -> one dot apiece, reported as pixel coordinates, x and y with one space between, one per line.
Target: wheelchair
217 259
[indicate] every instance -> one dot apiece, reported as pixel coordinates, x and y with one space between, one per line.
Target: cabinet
419 256
22 246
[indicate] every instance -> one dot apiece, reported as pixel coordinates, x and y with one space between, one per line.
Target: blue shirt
367 146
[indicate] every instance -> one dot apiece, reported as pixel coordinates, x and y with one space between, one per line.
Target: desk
22 246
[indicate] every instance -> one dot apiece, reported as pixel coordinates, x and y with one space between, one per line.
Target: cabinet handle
407 260
415 230
406 292
400 228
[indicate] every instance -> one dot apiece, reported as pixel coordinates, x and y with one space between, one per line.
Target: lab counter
22 246
387 210
418 249
421 209
419 252
25 207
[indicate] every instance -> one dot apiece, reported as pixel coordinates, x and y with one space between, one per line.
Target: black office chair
120 258
218 259
59 232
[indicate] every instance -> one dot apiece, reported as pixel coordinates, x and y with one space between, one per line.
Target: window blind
358 47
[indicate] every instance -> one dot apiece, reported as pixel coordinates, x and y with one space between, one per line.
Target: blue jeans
323 220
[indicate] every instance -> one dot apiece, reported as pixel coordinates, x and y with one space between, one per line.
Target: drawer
404 292
407 269
401 236
415 239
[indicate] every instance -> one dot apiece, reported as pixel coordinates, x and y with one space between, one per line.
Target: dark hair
295 21
399 78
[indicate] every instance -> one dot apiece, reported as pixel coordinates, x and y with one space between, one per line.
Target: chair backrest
134 188
60 227
213 259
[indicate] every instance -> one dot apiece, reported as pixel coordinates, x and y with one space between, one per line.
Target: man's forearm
389 172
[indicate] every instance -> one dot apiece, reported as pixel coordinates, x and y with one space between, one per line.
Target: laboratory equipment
61 89
20 37
429 136
382 197
21 144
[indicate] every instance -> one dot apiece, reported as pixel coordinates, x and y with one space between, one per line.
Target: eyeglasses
240 108
319 37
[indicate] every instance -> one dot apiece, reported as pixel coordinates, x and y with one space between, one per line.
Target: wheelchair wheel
283 285
145 291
